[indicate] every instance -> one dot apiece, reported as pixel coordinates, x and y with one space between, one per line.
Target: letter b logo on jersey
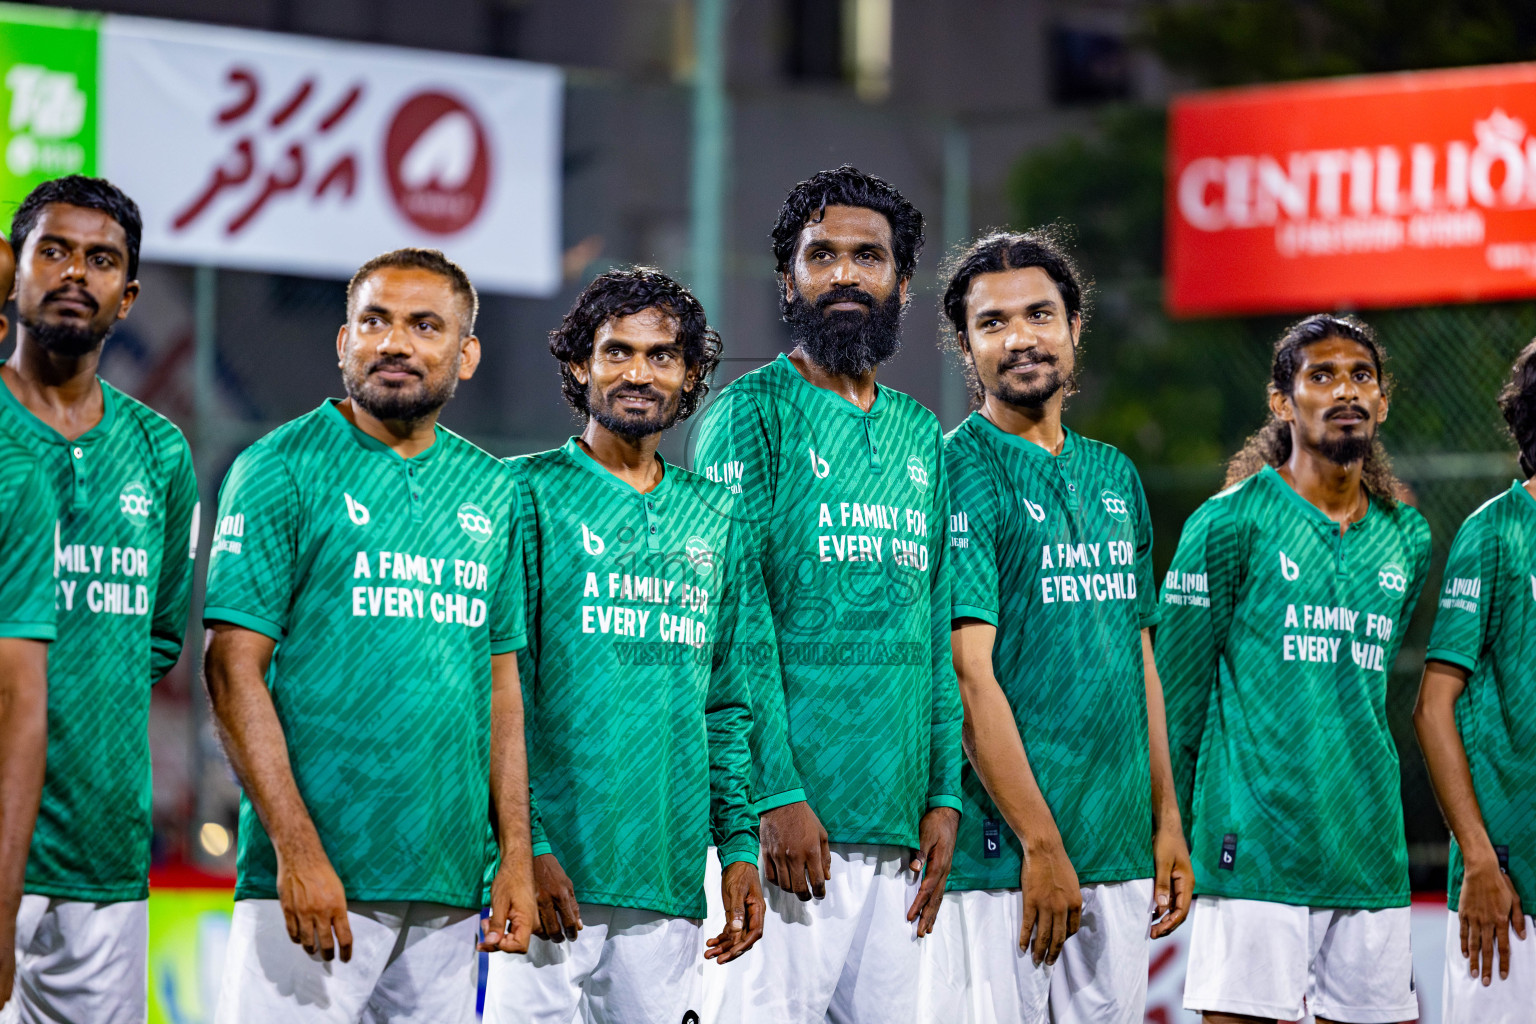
819 467
356 510
591 541
1289 569
1036 511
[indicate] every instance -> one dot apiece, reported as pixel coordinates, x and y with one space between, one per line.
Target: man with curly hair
1476 720
648 633
857 747
1281 617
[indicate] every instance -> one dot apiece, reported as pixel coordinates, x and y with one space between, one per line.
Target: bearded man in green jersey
364 610
119 479
857 751
1282 615
648 632
1476 719
1053 601
27 625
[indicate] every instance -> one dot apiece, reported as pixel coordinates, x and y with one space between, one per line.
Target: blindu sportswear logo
135 503
1372 191
474 522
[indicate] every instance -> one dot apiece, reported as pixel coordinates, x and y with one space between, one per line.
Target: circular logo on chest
474 522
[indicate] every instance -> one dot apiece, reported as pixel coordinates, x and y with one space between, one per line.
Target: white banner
281 153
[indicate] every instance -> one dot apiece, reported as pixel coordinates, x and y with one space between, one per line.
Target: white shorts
625 966
974 972
412 963
1277 960
848 958
80 961
1510 1000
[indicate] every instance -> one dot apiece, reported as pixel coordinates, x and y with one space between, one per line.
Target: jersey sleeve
1147 610
26 556
173 591
975 516
744 663
1196 615
1461 630
946 717
509 630
253 563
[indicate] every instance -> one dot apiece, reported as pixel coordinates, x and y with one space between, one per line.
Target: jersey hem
1451 657
907 839
773 803
28 631
1339 902
91 893
971 611
244 620
245 891
694 910
971 883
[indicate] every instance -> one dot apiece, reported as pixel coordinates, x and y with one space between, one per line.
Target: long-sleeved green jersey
847 510
1486 623
26 556
1275 645
126 501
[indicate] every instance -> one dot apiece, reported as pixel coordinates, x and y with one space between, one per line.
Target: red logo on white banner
438 163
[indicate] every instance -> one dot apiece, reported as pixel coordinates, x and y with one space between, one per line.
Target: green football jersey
1056 552
1275 645
847 510
638 678
1486 623
126 502
387 583
26 557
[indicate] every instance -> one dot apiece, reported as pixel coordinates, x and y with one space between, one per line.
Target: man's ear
469 356
1077 329
1382 418
690 379
901 288
787 281
1280 404
130 293
579 371
341 345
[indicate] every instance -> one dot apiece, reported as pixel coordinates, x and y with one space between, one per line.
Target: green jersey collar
577 454
1519 485
29 420
985 426
330 412
831 399
1317 515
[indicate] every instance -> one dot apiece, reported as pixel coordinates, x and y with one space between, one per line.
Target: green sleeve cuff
945 801
971 611
772 803
507 646
1151 617
737 851
245 620
1451 657
541 848
44 631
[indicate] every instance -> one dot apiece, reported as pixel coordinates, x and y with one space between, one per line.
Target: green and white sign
47 96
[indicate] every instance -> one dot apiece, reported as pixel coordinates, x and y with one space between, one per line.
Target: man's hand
559 916
743 899
794 849
1489 904
1053 902
936 834
1174 879
514 911
314 904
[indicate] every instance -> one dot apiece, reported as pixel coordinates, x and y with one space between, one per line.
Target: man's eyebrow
828 243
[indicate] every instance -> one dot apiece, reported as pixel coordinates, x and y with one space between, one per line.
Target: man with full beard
364 609
1070 815
647 634
857 751
118 478
1281 617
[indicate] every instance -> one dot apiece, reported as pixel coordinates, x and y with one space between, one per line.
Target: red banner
1388 190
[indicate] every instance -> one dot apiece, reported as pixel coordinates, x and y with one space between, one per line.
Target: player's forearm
509 760
1434 719
1165 804
23 750
235 668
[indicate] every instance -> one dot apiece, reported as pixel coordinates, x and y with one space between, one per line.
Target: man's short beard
404 404
1350 448
630 427
70 339
1032 395
846 343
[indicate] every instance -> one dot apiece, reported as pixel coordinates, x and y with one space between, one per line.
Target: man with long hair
1070 815
647 633
1476 720
1281 616
857 750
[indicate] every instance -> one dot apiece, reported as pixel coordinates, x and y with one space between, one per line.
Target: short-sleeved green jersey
126 502
1486 623
26 556
638 678
387 583
848 511
1275 645
1056 552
